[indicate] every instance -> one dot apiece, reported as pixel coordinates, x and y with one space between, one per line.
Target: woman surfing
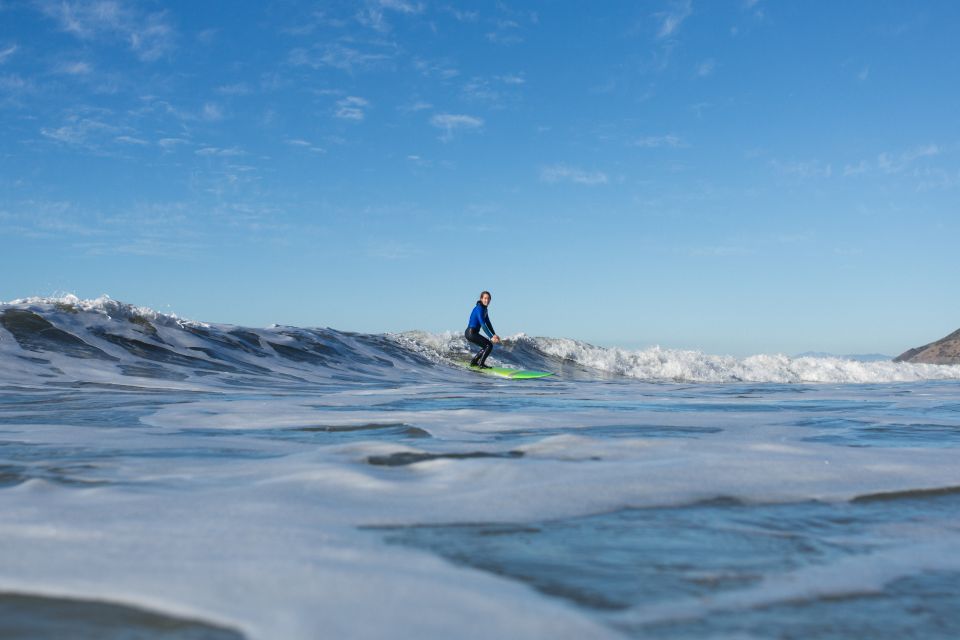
479 320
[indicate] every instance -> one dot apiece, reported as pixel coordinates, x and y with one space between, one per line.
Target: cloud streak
79 131
351 108
220 152
304 144
374 14
654 142
7 52
75 68
338 56
892 163
804 170
450 123
149 35
564 173
671 20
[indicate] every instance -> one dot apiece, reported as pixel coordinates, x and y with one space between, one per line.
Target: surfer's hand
496 339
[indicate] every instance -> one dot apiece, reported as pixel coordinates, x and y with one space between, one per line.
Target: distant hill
943 351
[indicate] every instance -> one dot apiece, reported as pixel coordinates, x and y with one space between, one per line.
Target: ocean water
165 478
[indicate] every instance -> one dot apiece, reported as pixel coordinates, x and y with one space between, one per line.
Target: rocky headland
943 351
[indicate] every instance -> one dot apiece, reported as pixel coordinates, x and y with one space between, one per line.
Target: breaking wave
67 340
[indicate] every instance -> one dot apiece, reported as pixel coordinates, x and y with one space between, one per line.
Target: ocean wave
657 363
678 365
104 341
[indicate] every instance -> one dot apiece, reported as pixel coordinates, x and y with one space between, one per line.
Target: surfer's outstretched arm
488 328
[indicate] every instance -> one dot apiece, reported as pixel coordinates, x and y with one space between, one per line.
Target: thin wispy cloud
937 178
373 18
753 6
391 250
132 140
236 89
566 173
75 68
79 131
39 218
374 14
211 112
444 68
451 123
495 91
168 144
803 169
220 152
418 161
890 163
402 6
314 20
719 251
706 67
507 32
480 90
461 15
305 144
149 35
351 108
338 56
7 52
699 108
416 106
855 169
653 142
671 19
13 83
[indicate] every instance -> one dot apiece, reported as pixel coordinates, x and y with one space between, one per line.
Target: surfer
480 320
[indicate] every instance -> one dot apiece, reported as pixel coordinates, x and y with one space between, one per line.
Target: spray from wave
68 340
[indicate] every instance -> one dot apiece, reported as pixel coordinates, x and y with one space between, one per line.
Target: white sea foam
673 364
241 504
270 545
656 363
103 305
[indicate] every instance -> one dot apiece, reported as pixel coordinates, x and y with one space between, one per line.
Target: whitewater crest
694 366
104 341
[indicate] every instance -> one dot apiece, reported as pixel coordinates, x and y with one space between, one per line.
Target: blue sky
733 176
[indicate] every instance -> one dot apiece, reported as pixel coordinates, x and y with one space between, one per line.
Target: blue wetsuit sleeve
487 326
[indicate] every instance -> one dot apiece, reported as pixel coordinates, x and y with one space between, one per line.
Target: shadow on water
75 475
410 457
923 606
41 618
610 431
611 563
35 333
876 433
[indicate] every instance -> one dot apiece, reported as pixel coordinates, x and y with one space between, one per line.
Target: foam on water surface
260 480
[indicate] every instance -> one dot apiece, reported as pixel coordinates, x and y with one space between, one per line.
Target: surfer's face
485 299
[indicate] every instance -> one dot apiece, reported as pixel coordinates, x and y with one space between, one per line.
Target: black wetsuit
480 320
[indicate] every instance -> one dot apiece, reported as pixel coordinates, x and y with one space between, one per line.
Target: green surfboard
513 374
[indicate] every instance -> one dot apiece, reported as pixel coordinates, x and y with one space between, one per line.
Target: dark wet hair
484 292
